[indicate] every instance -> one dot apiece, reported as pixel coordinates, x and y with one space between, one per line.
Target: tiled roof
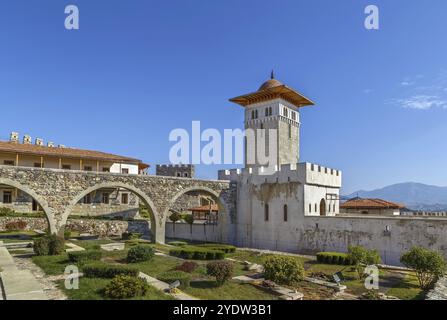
359 203
206 208
32 149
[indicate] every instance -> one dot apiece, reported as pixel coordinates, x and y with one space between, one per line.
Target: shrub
102 270
49 245
124 287
333 258
16 225
67 234
222 247
178 243
361 257
81 257
283 270
221 270
172 276
41 246
130 235
187 266
6 212
428 264
197 253
140 253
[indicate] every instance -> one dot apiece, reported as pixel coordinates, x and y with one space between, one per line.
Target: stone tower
272 113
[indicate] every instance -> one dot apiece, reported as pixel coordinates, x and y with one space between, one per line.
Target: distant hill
415 196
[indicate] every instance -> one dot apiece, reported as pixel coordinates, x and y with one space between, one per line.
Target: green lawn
92 289
52 265
408 289
207 290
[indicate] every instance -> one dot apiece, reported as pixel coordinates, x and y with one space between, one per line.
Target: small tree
174 218
428 264
283 270
221 270
189 219
361 257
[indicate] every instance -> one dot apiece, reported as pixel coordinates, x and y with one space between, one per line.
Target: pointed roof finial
272 75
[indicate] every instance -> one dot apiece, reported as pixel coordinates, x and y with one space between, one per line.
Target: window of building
333 208
105 198
104 169
37 165
293 115
125 198
310 208
285 213
290 131
7 197
87 199
88 168
256 114
286 113
125 171
8 162
252 114
316 207
178 174
66 167
270 111
185 174
312 167
266 112
266 212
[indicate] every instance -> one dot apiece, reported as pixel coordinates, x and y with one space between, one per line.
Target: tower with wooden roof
274 106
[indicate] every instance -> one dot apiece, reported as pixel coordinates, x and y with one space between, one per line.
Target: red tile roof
32 149
359 203
206 208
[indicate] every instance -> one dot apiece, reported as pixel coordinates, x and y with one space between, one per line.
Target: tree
428 264
361 257
189 219
174 217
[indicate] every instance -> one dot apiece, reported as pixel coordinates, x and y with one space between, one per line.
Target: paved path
73 247
18 284
163 286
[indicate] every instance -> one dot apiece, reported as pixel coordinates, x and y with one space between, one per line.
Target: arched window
285 213
270 111
285 112
266 212
322 207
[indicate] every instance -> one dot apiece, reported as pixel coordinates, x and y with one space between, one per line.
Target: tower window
310 208
285 213
266 212
270 111
294 116
252 114
256 114
286 114
266 112
290 131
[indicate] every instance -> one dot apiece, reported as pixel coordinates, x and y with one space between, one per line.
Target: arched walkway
156 228
41 201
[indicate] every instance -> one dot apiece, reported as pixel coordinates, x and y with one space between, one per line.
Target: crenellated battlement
306 173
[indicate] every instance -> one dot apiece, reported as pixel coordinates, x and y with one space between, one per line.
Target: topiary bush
187 266
197 253
172 276
49 245
140 253
125 287
81 257
283 270
221 270
334 258
102 270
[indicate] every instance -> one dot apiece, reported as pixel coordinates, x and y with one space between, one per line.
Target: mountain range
415 196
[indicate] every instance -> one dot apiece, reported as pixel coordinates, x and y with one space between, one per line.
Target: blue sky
138 69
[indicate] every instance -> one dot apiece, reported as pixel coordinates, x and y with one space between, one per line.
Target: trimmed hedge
49 245
81 257
172 276
102 270
334 258
140 253
178 243
222 247
197 253
125 287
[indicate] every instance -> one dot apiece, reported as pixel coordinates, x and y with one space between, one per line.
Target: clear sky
138 69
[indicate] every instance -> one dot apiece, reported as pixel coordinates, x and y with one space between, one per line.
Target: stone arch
156 227
42 202
322 207
224 210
